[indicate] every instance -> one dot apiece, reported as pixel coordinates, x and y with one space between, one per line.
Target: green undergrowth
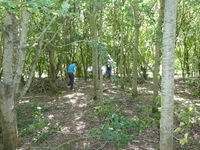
33 123
115 127
188 117
194 84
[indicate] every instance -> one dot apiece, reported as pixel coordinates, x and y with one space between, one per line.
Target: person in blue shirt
71 70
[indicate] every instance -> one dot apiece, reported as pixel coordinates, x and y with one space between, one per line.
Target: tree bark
167 84
95 67
121 53
100 53
52 70
84 64
21 52
158 47
7 103
1 55
135 50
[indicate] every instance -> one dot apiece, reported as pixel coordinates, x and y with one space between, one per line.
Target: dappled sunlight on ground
82 105
80 125
72 111
176 98
24 101
50 116
142 88
65 130
73 100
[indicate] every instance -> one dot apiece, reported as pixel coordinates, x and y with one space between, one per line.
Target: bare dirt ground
72 111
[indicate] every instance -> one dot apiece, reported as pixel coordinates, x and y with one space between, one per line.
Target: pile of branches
39 85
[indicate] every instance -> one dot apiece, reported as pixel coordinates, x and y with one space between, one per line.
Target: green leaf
33 10
5 4
182 124
177 129
12 4
184 140
65 5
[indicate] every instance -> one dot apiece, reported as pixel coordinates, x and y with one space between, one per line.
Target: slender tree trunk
158 46
1 54
31 73
21 52
100 53
121 54
186 57
135 50
84 64
167 86
95 68
52 70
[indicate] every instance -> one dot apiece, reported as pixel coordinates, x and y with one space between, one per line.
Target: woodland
151 101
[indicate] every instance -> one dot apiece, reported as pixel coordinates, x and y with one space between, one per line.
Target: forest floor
71 119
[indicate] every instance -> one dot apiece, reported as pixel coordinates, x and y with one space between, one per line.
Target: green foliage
194 83
157 101
8 4
39 6
106 109
116 127
98 45
115 80
36 124
139 108
188 117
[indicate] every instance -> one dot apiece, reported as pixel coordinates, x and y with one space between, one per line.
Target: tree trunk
95 67
135 50
9 120
84 64
167 86
52 70
121 55
1 55
186 57
100 53
21 52
158 46
7 104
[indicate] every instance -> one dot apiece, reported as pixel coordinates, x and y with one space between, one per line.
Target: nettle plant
187 116
116 128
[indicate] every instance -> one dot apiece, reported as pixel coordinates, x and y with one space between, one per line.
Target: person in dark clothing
71 71
108 71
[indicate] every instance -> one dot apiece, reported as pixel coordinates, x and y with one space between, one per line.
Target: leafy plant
139 108
187 118
36 124
116 127
194 82
115 80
